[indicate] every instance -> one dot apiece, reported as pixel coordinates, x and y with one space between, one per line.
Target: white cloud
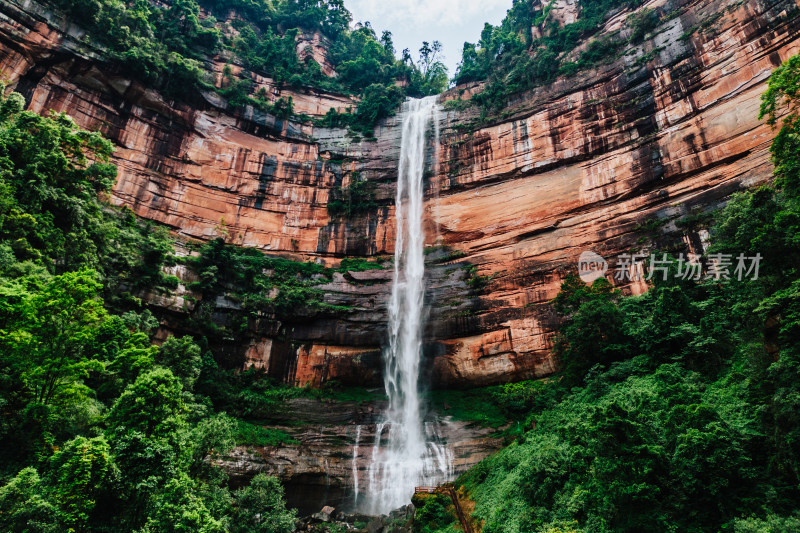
423 12
412 21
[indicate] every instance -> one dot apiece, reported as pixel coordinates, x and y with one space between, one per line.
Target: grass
493 406
248 434
333 391
474 405
358 264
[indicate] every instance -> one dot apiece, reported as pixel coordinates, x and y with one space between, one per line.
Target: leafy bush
357 264
510 60
435 514
356 199
262 283
259 507
641 23
248 434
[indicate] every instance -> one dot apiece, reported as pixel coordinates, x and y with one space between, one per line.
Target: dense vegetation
165 45
511 58
102 430
677 410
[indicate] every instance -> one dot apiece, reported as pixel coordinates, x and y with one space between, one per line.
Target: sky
412 21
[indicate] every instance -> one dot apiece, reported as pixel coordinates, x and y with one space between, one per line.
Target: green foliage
355 199
148 432
182 357
510 60
66 496
51 173
641 23
248 434
101 430
79 475
492 406
49 335
435 514
431 75
358 264
152 406
771 524
639 454
457 104
259 507
158 44
262 283
25 507
328 16
178 508
249 395
476 281
378 102
332 390
164 45
782 96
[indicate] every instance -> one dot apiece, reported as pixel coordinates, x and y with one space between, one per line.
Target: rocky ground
330 520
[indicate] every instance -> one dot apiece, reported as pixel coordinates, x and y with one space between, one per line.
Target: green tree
149 435
431 75
182 357
259 507
24 505
54 171
783 95
80 474
178 509
594 331
50 335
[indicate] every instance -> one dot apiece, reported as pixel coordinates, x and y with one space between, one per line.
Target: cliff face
659 133
333 448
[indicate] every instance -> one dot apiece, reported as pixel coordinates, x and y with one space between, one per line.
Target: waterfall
412 455
354 465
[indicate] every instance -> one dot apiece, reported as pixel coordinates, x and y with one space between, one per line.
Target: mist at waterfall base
406 452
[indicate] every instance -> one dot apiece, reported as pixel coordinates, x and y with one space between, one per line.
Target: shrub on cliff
164 46
510 60
53 176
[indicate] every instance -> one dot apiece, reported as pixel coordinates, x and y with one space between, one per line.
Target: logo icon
591 266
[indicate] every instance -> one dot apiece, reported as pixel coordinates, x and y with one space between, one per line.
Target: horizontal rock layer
335 445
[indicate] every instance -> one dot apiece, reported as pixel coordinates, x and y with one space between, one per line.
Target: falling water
412 456
355 465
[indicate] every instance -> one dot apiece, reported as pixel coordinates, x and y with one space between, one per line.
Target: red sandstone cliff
665 130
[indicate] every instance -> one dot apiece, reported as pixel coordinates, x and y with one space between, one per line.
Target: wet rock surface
334 452
398 521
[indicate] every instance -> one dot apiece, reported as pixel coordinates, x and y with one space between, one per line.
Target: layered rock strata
665 130
333 452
